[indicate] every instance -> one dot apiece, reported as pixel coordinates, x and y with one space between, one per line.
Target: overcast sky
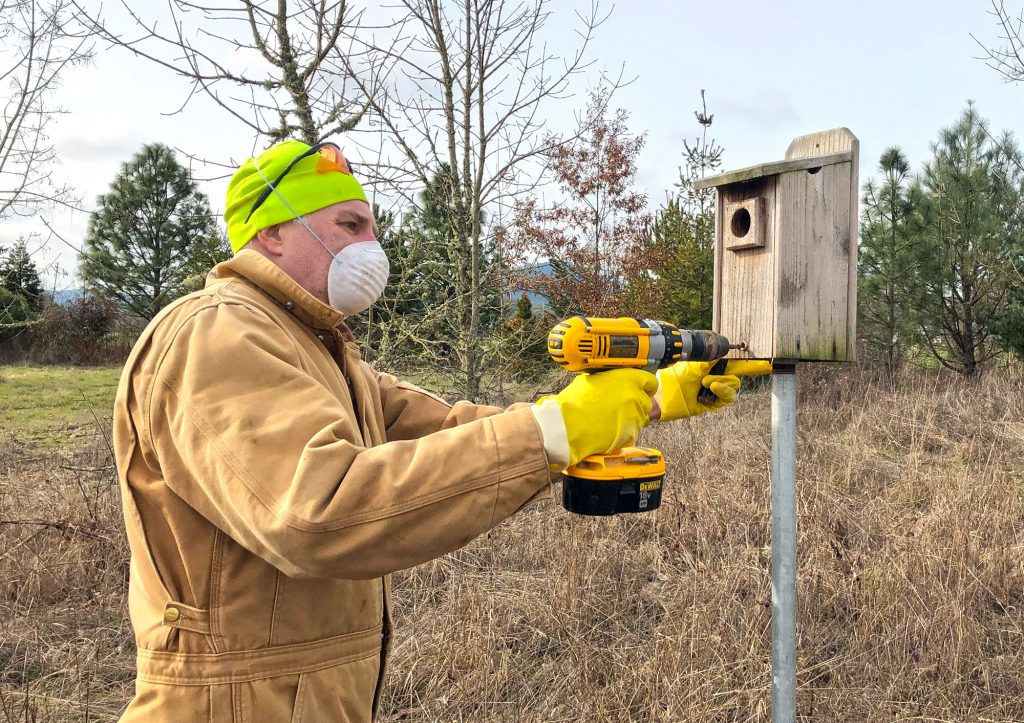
894 72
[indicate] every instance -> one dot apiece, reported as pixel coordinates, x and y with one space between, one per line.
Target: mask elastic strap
289 207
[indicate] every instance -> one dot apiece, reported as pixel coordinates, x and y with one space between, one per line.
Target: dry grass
66 648
911 578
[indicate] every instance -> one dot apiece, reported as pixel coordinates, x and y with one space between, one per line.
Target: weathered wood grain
746 311
838 140
795 296
813 266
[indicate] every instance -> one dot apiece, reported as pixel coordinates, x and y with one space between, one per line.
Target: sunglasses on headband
331 159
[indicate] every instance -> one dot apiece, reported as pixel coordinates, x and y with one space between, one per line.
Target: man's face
302 257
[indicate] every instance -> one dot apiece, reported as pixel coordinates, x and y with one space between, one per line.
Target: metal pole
783 542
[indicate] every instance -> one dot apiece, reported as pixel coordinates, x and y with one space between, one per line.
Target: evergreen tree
18 274
886 262
207 253
385 344
447 260
436 232
15 314
145 233
1009 323
524 309
679 286
426 306
970 238
672 277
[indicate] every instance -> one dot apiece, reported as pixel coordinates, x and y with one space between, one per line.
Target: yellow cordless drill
628 479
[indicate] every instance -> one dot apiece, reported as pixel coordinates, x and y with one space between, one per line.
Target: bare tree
1007 57
278 67
471 94
36 46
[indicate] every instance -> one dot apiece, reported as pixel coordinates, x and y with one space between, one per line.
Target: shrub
15 314
86 331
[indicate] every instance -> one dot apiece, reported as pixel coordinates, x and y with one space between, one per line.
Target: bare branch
295 87
1007 58
465 111
39 44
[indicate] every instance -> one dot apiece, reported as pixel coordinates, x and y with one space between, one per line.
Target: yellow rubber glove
680 383
604 411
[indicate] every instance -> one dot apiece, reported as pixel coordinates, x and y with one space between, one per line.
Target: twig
62 526
99 426
70 468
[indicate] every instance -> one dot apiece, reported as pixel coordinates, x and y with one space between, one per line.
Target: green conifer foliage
19 275
886 262
970 241
143 238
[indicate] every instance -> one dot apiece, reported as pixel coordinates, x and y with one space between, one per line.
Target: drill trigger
705 396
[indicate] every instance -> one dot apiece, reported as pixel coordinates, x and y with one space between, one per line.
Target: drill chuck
706 345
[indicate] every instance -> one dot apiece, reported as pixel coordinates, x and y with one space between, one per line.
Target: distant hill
538 302
65 297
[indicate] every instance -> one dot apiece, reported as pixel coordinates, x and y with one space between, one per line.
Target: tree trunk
969 353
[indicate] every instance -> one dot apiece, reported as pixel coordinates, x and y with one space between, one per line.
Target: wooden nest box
786 252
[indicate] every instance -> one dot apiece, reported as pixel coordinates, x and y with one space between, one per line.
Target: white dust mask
357 277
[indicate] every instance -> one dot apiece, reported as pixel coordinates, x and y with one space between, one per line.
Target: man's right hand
600 412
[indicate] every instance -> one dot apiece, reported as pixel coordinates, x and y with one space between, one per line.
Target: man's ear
270 240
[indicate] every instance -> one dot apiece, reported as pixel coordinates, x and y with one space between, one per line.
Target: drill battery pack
627 480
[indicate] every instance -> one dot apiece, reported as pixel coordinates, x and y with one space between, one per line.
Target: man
272 481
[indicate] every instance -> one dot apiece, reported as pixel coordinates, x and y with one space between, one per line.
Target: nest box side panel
816 249
744 266
838 140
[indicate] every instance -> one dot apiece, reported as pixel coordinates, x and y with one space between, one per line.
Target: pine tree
430 299
15 314
1009 323
886 262
386 343
672 276
147 229
680 268
970 239
205 254
524 309
18 274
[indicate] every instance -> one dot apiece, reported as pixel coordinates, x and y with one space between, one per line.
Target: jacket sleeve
264 451
411 412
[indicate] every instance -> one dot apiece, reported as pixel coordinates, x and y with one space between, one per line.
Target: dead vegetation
66 647
911 578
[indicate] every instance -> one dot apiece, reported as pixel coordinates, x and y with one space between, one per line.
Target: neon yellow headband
306 181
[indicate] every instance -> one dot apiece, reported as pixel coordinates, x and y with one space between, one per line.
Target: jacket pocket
270 700
337 677
342 693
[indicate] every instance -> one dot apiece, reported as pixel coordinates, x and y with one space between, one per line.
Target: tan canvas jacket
271 481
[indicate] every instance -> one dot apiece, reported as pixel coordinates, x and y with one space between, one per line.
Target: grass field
911 571
54 406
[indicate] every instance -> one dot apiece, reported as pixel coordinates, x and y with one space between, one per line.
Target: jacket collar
267 276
